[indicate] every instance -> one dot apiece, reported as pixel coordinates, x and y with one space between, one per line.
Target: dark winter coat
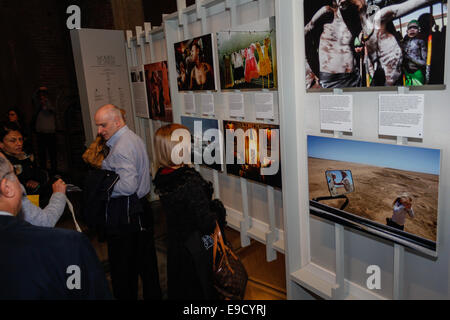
186 199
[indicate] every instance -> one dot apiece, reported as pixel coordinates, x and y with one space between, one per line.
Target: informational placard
139 92
207 104
102 73
189 103
336 113
236 105
264 106
401 115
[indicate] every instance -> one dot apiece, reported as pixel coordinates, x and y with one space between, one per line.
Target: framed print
195 64
389 190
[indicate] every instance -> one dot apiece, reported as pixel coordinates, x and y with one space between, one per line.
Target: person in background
11 143
45 127
129 220
402 208
186 199
15 116
38 263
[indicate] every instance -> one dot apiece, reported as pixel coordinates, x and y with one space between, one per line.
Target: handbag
96 153
230 276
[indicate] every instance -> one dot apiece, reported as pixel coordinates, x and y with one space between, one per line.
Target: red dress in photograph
251 66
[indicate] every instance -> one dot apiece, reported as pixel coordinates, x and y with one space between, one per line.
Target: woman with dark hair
11 143
191 219
15 116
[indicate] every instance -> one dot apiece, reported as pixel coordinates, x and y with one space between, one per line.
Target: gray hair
5 169
116 112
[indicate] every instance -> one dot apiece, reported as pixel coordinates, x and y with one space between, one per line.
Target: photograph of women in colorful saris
247 56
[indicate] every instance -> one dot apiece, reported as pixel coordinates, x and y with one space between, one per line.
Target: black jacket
186 199
110 216
98 187
34 263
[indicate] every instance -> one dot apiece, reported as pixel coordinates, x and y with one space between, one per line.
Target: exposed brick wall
38 47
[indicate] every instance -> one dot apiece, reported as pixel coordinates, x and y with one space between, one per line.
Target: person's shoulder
128 139
52 236
11 158
130 134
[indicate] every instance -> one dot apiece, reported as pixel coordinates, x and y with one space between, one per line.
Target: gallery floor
267 281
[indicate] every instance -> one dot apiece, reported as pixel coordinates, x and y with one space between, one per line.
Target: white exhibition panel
421 276
319 254
102 73
218 19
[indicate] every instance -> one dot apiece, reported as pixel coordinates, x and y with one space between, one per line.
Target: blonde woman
186 199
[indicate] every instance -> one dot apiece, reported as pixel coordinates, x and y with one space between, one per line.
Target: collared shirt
3 213
128 158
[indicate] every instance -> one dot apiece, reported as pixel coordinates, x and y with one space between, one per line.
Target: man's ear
6 188
2 145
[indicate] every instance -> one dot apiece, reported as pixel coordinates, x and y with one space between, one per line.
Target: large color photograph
195 64
206 124
395 188
158 91
251 157
247 56
374 43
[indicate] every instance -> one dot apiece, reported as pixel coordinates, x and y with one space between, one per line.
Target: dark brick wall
153 9
37 49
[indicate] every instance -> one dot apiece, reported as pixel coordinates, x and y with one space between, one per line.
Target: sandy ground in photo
375 191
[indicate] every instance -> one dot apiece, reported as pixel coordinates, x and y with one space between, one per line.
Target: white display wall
253 209
321 257
325 258
102 74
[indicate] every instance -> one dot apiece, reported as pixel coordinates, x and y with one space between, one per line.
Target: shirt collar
3 213
112 141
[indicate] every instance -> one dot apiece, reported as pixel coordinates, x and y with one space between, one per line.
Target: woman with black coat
191 219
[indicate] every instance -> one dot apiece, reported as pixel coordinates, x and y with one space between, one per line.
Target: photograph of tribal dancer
195 64
374 43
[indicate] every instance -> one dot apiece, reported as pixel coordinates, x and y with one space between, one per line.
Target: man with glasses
38 263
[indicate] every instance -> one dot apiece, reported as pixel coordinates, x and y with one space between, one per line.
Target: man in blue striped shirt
131 247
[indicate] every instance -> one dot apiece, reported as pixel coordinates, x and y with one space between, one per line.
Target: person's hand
59 186
31 184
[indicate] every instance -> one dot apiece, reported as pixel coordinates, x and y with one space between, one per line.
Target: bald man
129 221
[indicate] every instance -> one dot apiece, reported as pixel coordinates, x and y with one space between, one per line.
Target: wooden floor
267 281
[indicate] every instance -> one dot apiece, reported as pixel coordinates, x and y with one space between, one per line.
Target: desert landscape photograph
381 173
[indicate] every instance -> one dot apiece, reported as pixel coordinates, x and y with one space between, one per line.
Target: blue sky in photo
377 154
